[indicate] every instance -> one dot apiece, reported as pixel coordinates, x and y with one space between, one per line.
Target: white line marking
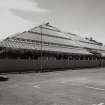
94 88
101 104
98 104
33 83
36 86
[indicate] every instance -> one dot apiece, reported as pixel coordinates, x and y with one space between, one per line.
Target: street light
41 53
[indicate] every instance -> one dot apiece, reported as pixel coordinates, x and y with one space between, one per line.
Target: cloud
10 23
26 5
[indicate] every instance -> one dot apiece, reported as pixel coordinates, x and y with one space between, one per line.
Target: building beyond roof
52 39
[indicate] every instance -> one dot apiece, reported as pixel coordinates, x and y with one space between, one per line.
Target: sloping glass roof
46 38
35 46
49 30
49 34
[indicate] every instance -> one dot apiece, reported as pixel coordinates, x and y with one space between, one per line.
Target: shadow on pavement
2 78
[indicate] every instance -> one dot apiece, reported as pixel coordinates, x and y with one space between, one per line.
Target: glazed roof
53 40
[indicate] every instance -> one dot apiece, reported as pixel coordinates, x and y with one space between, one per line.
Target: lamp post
41 53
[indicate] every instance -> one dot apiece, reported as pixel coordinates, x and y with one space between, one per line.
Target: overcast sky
83 17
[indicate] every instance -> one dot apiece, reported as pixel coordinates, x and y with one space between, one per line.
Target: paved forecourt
72 87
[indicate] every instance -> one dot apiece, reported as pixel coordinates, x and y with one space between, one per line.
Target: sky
83 17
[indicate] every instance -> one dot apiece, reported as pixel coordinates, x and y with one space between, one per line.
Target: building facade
45 48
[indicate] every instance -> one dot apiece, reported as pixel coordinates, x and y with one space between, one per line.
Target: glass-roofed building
45 47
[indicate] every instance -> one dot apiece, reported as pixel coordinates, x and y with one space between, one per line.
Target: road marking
94 88
33 83
36 86
99 104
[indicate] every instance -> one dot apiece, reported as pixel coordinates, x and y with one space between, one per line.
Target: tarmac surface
71 87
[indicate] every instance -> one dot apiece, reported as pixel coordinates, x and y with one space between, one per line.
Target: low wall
12 65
